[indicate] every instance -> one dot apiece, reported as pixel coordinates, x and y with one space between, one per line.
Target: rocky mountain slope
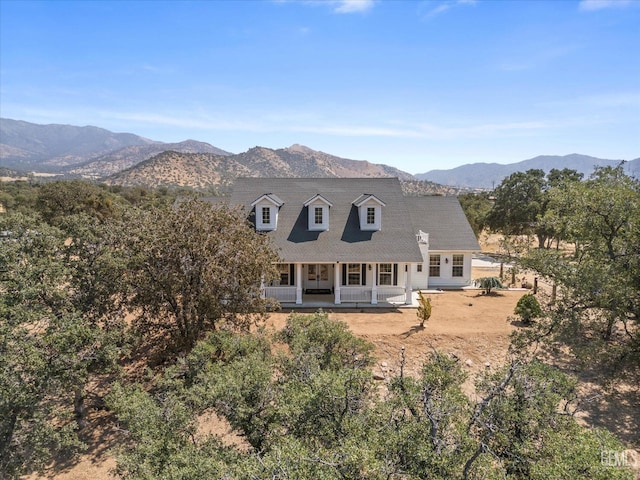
202 171
488 175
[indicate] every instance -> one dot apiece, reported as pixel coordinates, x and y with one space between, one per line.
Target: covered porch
342 283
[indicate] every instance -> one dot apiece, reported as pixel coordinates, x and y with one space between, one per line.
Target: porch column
374 287
262 288
298 284
407 286
336 283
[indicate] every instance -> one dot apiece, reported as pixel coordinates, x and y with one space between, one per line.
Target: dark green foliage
597 308
18 197
521 202
524 411
53 337
476 207
518 202
57 200
329 344
166 433
528 308
307 410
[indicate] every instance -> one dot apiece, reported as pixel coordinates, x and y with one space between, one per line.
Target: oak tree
195 267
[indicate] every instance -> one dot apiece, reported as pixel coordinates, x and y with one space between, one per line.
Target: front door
319 276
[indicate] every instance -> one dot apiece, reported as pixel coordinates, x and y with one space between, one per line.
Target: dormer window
267 207
371 216
266 215
318 213
369 211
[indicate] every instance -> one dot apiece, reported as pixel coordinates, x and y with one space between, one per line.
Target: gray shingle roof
344 241
445 222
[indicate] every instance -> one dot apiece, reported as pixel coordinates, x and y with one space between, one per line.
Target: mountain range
488 175
128 159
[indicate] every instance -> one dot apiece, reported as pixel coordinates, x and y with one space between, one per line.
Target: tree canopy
521 200
598 277
305 403
195 267
52 339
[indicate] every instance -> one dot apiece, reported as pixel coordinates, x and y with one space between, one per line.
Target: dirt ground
472 326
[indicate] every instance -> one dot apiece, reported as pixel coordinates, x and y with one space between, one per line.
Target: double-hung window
434 265
457 265
353 274
385 274
318 220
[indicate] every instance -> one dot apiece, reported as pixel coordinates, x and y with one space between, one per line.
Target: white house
358 239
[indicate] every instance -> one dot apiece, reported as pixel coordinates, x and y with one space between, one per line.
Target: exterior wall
420 280
446 278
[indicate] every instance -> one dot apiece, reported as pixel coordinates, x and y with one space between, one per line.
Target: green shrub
528 308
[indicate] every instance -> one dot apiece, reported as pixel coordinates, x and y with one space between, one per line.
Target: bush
528 308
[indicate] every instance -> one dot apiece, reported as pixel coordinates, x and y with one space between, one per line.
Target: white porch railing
391 294
355 294
281 294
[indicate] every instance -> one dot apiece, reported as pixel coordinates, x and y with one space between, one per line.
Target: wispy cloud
338 6
353 6
320 125
592 5
429 10
256 122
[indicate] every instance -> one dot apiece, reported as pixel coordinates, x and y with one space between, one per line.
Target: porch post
262 288
336 283
298 284
374 287
407 286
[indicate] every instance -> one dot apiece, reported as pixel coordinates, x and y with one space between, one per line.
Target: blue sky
419 85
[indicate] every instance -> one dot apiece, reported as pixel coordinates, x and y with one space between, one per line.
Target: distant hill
201 171
89 152
114 162
487 175
28 146
175 169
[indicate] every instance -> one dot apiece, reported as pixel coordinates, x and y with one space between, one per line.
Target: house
358 239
